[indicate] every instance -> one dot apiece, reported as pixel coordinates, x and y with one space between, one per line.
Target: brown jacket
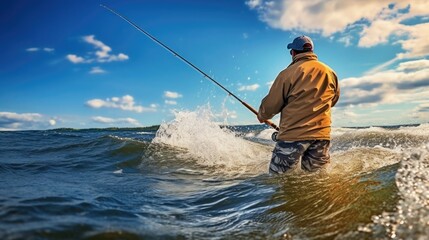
303 93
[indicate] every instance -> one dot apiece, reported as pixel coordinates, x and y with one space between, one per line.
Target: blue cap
299 42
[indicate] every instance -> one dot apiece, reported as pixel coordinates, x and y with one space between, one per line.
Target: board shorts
314 155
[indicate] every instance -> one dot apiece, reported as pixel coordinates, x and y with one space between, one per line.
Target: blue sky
74 64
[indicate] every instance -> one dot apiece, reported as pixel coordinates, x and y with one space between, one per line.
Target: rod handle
268 122
273 125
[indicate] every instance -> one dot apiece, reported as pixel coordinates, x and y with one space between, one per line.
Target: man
303 94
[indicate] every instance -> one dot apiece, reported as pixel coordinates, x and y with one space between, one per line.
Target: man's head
301 44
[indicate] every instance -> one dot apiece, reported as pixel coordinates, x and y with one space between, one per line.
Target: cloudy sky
74 64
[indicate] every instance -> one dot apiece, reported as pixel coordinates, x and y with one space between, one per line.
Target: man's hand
260 119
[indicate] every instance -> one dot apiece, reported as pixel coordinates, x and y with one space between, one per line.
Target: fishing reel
274 136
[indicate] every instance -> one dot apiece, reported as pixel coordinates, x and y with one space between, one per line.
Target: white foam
213 146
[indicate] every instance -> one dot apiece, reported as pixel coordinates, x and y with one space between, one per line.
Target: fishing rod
268 122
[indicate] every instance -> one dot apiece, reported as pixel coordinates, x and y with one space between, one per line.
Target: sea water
195 178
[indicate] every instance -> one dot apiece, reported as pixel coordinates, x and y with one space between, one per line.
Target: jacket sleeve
337 91
274 102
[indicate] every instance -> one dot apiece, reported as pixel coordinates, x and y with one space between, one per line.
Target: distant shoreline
156 127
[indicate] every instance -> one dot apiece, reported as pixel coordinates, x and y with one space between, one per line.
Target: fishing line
268 122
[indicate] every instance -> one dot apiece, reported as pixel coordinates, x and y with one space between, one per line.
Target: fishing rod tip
105 6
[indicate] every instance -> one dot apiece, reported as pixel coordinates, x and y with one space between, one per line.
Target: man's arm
274 102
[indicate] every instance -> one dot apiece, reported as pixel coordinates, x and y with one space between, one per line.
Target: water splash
212 145
411 219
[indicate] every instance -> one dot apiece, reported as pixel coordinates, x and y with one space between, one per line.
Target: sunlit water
193 179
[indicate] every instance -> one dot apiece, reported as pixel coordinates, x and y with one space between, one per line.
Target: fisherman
303 94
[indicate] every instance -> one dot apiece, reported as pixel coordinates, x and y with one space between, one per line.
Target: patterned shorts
314 155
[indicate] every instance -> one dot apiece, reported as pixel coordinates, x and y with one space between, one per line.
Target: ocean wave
198 179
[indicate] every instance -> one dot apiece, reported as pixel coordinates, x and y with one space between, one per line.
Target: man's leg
316 156
286 155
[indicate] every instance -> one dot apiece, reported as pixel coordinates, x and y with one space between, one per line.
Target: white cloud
46 49
104 49
25 117
346 40
97 70
388 87
75 59
125 103
52 122
253 3
232 115
379 32
96 103
169 94
36 49
33 49
413 65
102 55
376 21
106 120
323 16
170 102
416 45
19 121
412 37
252 87
122 57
